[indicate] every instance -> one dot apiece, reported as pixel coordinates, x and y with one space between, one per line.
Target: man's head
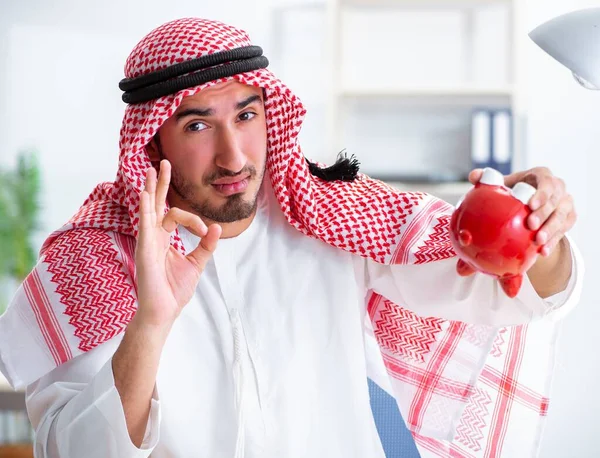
216 142
173 77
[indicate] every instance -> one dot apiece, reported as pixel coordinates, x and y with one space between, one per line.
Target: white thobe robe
279 317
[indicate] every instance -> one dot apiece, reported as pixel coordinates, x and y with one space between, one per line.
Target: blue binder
502 141
492 139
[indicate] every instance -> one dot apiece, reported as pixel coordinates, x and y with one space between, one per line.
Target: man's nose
229 154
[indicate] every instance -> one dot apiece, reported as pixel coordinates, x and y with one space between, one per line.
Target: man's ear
152 150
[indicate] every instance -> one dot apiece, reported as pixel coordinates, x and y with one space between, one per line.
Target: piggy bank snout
464 237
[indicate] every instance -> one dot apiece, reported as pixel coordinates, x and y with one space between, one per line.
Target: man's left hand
553 210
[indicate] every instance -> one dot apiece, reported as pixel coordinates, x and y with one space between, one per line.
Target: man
228 304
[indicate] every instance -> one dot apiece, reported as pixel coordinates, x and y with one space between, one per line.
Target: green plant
19 217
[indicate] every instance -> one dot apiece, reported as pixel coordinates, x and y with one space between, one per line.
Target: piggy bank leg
511 285
464 269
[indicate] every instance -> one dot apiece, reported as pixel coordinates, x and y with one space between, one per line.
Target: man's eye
196 127
247 116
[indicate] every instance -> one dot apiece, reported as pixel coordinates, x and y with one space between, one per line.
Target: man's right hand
167 279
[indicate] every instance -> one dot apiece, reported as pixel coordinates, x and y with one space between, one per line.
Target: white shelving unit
460 93
414 95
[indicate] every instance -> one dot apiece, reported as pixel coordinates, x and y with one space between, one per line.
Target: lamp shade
573 39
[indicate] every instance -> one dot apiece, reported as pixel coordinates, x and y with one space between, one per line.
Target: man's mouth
228 186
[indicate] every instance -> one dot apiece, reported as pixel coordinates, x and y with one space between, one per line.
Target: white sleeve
76 411
435 289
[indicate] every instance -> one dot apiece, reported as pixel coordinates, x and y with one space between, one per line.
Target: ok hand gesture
167 279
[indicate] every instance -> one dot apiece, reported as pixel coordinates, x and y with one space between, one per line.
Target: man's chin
236 207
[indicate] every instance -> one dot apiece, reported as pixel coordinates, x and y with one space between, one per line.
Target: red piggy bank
489 231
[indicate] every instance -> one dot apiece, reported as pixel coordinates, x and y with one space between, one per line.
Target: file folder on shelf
492 139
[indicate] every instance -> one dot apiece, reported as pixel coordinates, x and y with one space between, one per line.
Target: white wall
563 133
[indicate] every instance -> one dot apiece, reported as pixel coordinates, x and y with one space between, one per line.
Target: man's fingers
150 188
549 198
145 225
539 217
555 223
206 247
162 188
475 175
552 243
144 211
542 194
566 227
177 216
513 178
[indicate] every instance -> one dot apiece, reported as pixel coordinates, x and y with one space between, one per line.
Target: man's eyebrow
194 112
244 103
209 111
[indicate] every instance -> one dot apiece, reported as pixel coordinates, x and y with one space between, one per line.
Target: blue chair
396 438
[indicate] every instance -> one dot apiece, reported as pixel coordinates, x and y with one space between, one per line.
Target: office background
397 82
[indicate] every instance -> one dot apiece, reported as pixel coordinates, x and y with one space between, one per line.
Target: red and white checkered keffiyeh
464 391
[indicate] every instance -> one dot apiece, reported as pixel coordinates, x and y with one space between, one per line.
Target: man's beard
234 209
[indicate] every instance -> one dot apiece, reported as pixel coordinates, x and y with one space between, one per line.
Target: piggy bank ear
464 269
523 191
511 285
492 177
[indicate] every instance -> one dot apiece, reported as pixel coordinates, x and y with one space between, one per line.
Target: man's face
216 142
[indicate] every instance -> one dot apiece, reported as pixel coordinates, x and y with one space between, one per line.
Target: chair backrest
396 438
